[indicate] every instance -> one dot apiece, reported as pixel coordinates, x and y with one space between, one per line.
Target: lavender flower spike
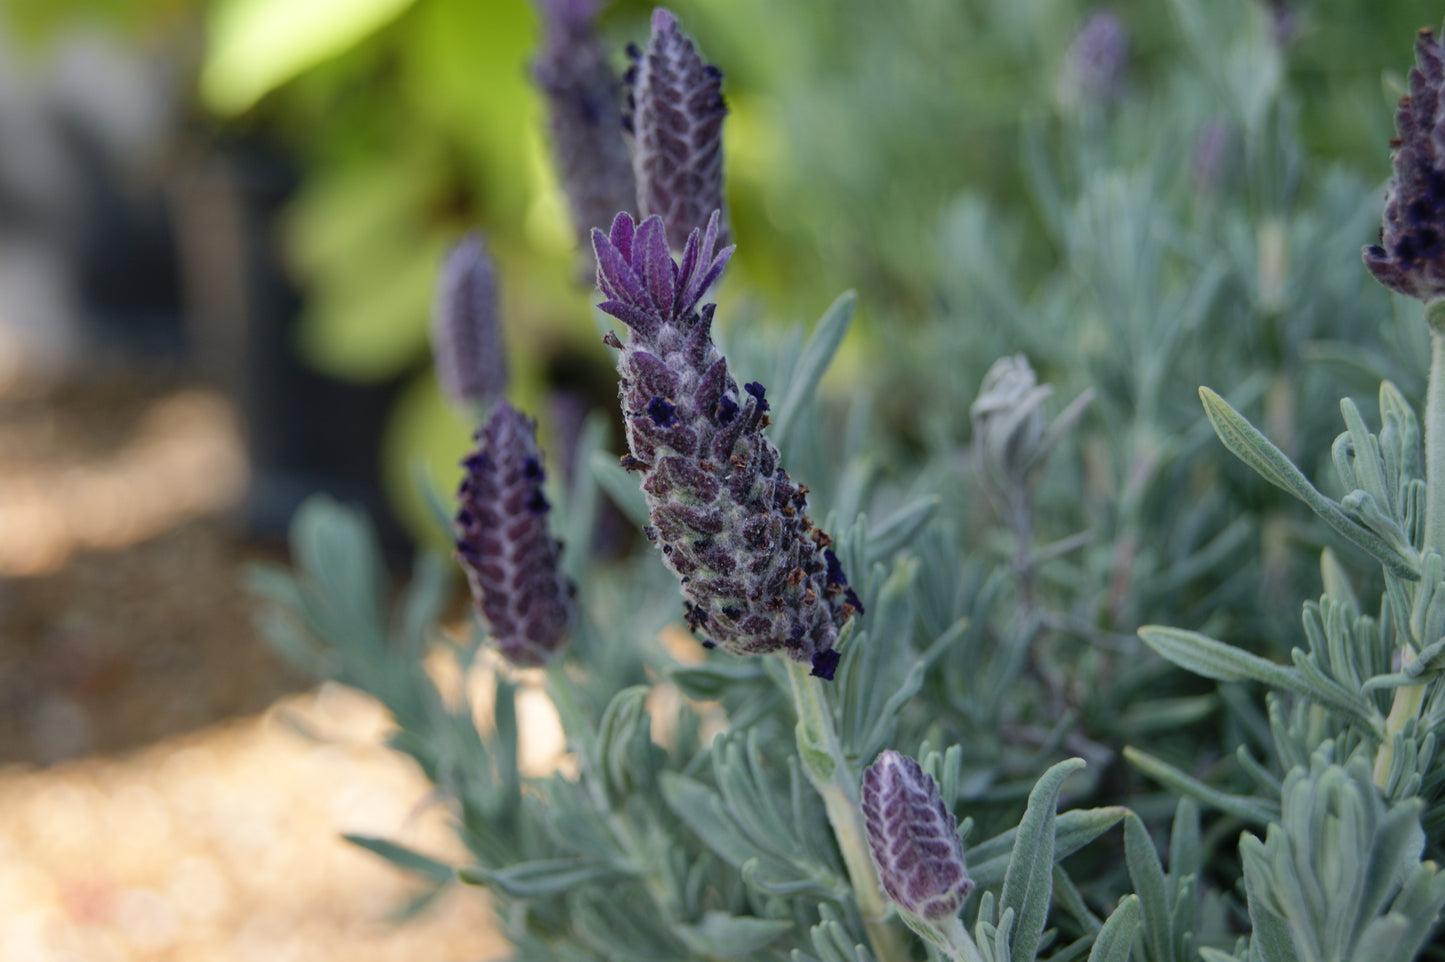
1410 257
675 115
1095 63
471 363
756 575
503 542
913 839
584 108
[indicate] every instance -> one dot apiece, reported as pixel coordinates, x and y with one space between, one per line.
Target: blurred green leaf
1116 940
256 46
403 857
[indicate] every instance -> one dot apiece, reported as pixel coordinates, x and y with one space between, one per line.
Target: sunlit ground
155 807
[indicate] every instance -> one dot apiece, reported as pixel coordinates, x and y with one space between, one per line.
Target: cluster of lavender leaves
801 831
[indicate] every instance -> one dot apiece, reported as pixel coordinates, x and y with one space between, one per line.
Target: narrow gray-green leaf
1148 877
1214 659
723 936
403 857
1028 883
543 877
1116 938
1249 809
901 527
817 354
988 861
1248 444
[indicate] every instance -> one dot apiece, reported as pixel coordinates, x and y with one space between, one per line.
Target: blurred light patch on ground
224 845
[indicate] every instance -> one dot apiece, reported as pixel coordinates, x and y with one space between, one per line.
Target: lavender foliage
675 113
732 525
584 115
913 838
1410 258
504 545
467 349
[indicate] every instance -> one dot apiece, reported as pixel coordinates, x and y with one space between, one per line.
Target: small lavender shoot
584 115
503 543
675 115
471 362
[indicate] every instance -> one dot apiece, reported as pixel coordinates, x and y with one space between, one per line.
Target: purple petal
615 275
622 234
640 320
658 270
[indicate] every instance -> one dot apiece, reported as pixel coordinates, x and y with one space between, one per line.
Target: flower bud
732 525
471 363
1410 257
504 545
913 838
584 115
675 114
1008 423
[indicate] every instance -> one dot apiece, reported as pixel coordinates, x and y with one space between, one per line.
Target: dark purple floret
662 411
913 838
675 113
1410 257
471 363
584 108
825 663
504 545
730 522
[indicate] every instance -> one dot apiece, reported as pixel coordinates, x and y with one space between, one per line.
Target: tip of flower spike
663 19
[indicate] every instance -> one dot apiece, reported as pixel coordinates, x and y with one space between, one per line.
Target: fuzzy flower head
675 115
470 360
756 574
584 114
1410 257
913 839
504 545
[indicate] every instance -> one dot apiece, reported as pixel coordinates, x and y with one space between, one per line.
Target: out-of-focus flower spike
913 839
1095 63
503 544
584 108
1410 257
675 115
732 525
467 348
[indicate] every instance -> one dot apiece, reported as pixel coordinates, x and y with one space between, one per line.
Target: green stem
822 756
1411 698
960 945
1435 448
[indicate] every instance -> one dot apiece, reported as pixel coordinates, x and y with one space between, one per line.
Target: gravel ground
156 799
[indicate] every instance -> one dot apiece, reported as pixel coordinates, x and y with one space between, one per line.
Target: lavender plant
927 758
